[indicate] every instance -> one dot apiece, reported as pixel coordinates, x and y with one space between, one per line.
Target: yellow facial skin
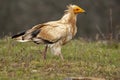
77 10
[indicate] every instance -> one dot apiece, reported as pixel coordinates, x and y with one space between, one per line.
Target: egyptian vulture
53 34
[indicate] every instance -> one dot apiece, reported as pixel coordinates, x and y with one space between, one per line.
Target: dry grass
23 61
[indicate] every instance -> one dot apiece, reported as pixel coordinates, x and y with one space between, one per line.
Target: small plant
23 61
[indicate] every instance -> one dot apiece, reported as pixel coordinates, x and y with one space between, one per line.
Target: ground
23 61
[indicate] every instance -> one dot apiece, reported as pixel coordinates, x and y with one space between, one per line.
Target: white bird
53 34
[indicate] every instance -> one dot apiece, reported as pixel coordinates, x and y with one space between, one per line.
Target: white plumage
53 34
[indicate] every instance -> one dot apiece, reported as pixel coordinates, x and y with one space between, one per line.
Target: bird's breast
69 35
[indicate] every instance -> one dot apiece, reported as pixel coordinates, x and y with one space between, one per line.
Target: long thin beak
83 11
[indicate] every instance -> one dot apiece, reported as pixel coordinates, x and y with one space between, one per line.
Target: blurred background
102 20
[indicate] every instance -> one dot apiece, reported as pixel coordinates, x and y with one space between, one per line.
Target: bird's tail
25 36
20 37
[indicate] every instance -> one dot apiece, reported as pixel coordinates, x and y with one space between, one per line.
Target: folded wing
43 33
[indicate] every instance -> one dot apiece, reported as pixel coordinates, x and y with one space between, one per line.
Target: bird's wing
52 32
31 33
36 27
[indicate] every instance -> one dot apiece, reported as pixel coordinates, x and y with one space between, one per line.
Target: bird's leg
56 50
61 56
45 51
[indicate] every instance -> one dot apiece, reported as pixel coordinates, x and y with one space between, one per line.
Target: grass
23 61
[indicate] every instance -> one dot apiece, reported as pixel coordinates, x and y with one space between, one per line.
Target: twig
111 27
99 30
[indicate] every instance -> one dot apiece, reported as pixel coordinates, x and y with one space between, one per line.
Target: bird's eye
77 9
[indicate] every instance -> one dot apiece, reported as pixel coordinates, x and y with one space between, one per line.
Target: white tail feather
23 40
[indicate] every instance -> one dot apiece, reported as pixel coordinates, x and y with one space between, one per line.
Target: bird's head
76 9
